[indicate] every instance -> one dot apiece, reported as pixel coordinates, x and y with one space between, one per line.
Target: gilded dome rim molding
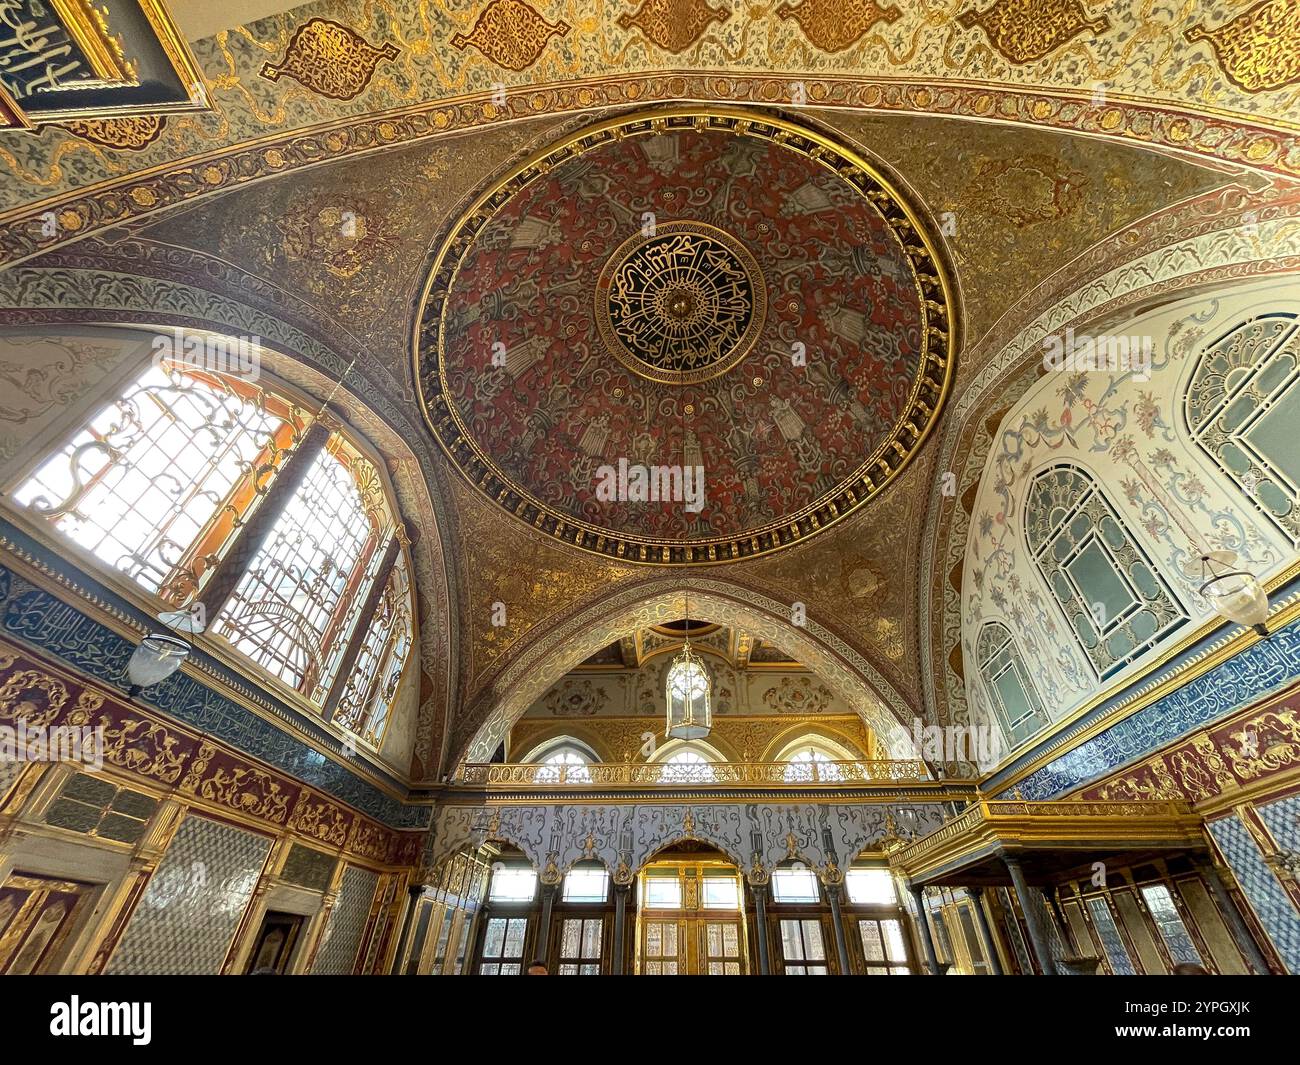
929 267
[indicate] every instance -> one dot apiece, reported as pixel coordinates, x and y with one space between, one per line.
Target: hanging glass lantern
1234 593
689 713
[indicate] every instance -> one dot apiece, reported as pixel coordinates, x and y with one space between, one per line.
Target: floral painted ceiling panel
696 292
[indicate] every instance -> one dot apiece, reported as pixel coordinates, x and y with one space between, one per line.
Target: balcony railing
715 774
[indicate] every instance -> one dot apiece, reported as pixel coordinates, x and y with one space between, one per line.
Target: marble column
622 892
923 928
542 948
833 892
1039 936
760 929
986 933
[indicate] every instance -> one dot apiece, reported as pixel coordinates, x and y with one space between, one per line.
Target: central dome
673 292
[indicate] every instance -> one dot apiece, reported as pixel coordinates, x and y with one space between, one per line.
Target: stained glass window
1243 409
1115 601
288 611
152 484
1007 681
371 687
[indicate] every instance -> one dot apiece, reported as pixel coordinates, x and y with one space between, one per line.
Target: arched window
1007 682
813 758
290 611
562 762
1243 410
159 484
1112 596
574 768
687 763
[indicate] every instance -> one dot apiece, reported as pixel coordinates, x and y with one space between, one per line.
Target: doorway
691 919
273 948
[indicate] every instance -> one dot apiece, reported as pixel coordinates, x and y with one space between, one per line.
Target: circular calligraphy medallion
682 304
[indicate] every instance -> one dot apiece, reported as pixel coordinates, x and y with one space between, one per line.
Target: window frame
287 403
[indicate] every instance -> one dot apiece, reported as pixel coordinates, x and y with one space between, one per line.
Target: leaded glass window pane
1111 941
1111 595
1243 409
149 477
1170 923
287 612
1014 697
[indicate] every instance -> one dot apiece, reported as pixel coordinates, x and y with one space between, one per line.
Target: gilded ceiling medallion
683 304
687 335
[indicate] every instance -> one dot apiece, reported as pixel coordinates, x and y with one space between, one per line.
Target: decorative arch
1214 244
547 747
567 644
307 369
834 743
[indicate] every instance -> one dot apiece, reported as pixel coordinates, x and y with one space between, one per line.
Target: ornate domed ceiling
685 290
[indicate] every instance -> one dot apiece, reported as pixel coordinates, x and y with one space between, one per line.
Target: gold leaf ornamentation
143 747
320 820
1265 744
250 791
1259 50
834 25
330 59
511 34
1026 30
674 25
32 697
125 133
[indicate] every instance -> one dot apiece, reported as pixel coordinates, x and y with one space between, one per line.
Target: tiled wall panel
187 918
347 923
1261 888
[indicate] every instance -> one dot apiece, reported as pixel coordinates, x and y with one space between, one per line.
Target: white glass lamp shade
689 711
1236 595
157 658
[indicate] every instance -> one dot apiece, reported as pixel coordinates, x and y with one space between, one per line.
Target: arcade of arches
491 494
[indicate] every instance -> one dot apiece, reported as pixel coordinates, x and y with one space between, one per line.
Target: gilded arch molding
485 725
36 297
